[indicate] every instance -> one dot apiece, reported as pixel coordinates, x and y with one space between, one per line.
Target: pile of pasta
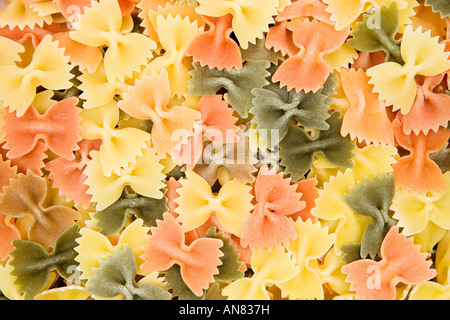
224 149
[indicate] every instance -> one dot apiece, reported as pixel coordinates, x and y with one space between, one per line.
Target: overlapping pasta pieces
48 68
224 150
250 18
171 126
197 203
101 25
395 82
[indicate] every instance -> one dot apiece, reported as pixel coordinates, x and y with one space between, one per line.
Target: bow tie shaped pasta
32 264
89 257
97 91
416 171
401 261
276 199
48 68
56 127
217 124
173 61
196 203
112 219
250 18
101 25
27 197
119 146
396 83
271 266
144 176
207 47
312 242
430 109
116 277
415 211
307 69
366 119
68 175
170 125
198 261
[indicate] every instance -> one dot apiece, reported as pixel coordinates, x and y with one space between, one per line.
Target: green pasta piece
372 198
116 275
237 83
229 270
112 219
441 6
377 32
214 292
258 51
351 252
177 173
297 149
33 264
442 158
176 284
273 107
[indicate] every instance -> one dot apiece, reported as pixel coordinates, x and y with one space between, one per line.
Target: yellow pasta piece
144 176
175 36
415 210
196 203
251 18
101 25
330 205
93 247
312 243
423 55
48 68
120 146
270 266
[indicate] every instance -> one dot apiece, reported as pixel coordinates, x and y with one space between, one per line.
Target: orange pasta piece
70 9
279 38
366 119
33 160
7 172
166 246
149 99
214 47
430 109
58 127
305 8
275 198
80 54
367 60
69 176
8 233
34 35
401 261
307 188
307 70
217 123
416 171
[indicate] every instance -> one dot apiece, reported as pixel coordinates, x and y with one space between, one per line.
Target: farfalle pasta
48 68
415 63
224 150
101 25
